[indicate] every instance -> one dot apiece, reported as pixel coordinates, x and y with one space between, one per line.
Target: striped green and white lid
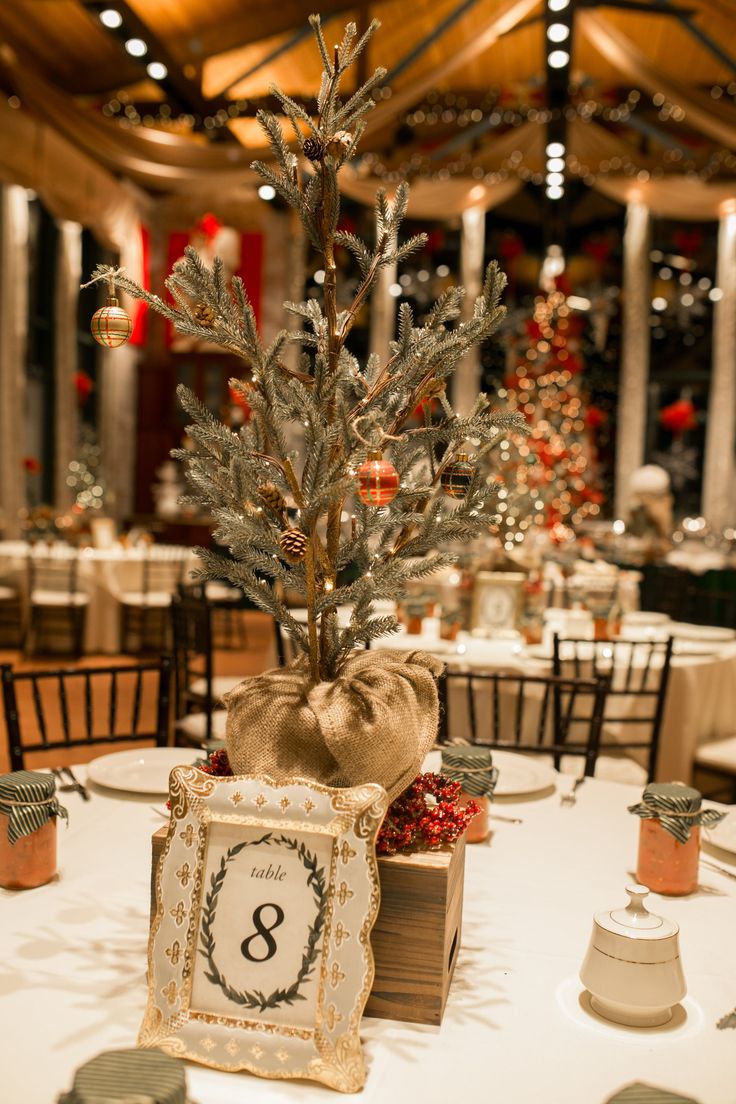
129 1077
676 807
471 766
28 799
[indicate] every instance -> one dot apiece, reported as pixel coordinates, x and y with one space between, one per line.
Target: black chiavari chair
59 709
524 713
638 669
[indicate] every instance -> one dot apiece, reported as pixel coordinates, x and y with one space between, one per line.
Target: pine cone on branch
313 148
203 315
293 545
272 497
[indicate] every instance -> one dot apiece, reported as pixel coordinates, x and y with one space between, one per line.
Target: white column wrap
632 393
383 313
719 474
66 295
13 333
466 379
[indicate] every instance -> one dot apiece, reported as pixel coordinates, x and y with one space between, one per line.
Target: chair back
53 568
162 569
636 669
524 713
77 707
707 606
191 623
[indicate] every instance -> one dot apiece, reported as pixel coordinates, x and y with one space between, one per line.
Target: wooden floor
255 653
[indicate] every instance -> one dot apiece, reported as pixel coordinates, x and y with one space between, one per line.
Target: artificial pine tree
279 510
551 474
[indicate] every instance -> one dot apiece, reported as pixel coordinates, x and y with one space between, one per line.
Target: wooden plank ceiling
229 52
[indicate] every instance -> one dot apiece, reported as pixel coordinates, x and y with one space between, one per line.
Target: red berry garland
424 817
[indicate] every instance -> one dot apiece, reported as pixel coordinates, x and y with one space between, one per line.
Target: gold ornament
293 544
272 497
314 148
204 315
111 325
339 144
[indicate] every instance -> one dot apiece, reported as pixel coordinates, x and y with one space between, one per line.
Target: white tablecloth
74 959
104 574
700 704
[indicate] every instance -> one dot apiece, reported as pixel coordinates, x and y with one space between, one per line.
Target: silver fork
568 798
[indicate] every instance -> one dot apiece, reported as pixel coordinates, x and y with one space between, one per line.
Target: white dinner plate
517 774
715 633
724 834
139 770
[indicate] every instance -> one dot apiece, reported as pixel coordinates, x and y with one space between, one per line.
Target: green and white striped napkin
129 1077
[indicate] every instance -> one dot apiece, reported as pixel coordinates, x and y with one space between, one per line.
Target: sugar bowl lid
635 921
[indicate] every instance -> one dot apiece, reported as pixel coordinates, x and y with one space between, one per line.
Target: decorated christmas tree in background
549 477
364 489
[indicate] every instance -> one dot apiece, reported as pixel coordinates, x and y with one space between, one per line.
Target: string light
558 59
157 70
111 18
136 47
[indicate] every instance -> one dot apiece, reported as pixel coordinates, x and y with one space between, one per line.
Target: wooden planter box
416 937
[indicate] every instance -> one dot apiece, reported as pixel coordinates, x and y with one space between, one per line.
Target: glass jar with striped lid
472 766
669 837
28 811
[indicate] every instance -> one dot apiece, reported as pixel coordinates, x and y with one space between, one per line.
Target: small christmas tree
552 472
282 510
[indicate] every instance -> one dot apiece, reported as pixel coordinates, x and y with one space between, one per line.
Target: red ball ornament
378 480
111 325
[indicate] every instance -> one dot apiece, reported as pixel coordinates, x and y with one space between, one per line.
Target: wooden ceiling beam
250 26
186 91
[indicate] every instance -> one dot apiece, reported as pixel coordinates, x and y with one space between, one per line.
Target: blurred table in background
104 574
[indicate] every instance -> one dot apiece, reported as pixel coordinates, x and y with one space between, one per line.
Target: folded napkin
639 1093
129 1077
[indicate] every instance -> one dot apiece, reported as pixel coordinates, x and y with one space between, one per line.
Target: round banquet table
104 574
701 696
74 962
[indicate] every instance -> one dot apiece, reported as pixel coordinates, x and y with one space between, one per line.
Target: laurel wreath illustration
315 879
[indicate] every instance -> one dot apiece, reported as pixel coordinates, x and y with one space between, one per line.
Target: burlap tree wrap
374 723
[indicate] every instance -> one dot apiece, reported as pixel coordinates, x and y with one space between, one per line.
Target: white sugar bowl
632 969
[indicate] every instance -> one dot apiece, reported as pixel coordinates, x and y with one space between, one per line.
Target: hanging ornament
313 148
293 544
457 476
272 497
203 315
378 480
111 325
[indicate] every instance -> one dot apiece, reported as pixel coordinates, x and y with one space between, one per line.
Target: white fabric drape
719 470
13 334
632 395
466 380
66 296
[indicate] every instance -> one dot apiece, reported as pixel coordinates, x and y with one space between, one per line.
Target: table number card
259 953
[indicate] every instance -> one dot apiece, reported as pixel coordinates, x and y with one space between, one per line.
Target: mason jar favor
669 837
28 811
473 768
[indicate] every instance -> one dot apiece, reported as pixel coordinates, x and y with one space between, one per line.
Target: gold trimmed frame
510 582
327 1050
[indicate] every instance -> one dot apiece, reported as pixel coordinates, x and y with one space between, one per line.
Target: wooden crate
416 937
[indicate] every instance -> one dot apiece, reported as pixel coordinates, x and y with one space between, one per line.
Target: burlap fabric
374 723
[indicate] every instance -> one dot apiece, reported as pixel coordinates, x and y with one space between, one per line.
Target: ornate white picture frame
497 600
259 955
